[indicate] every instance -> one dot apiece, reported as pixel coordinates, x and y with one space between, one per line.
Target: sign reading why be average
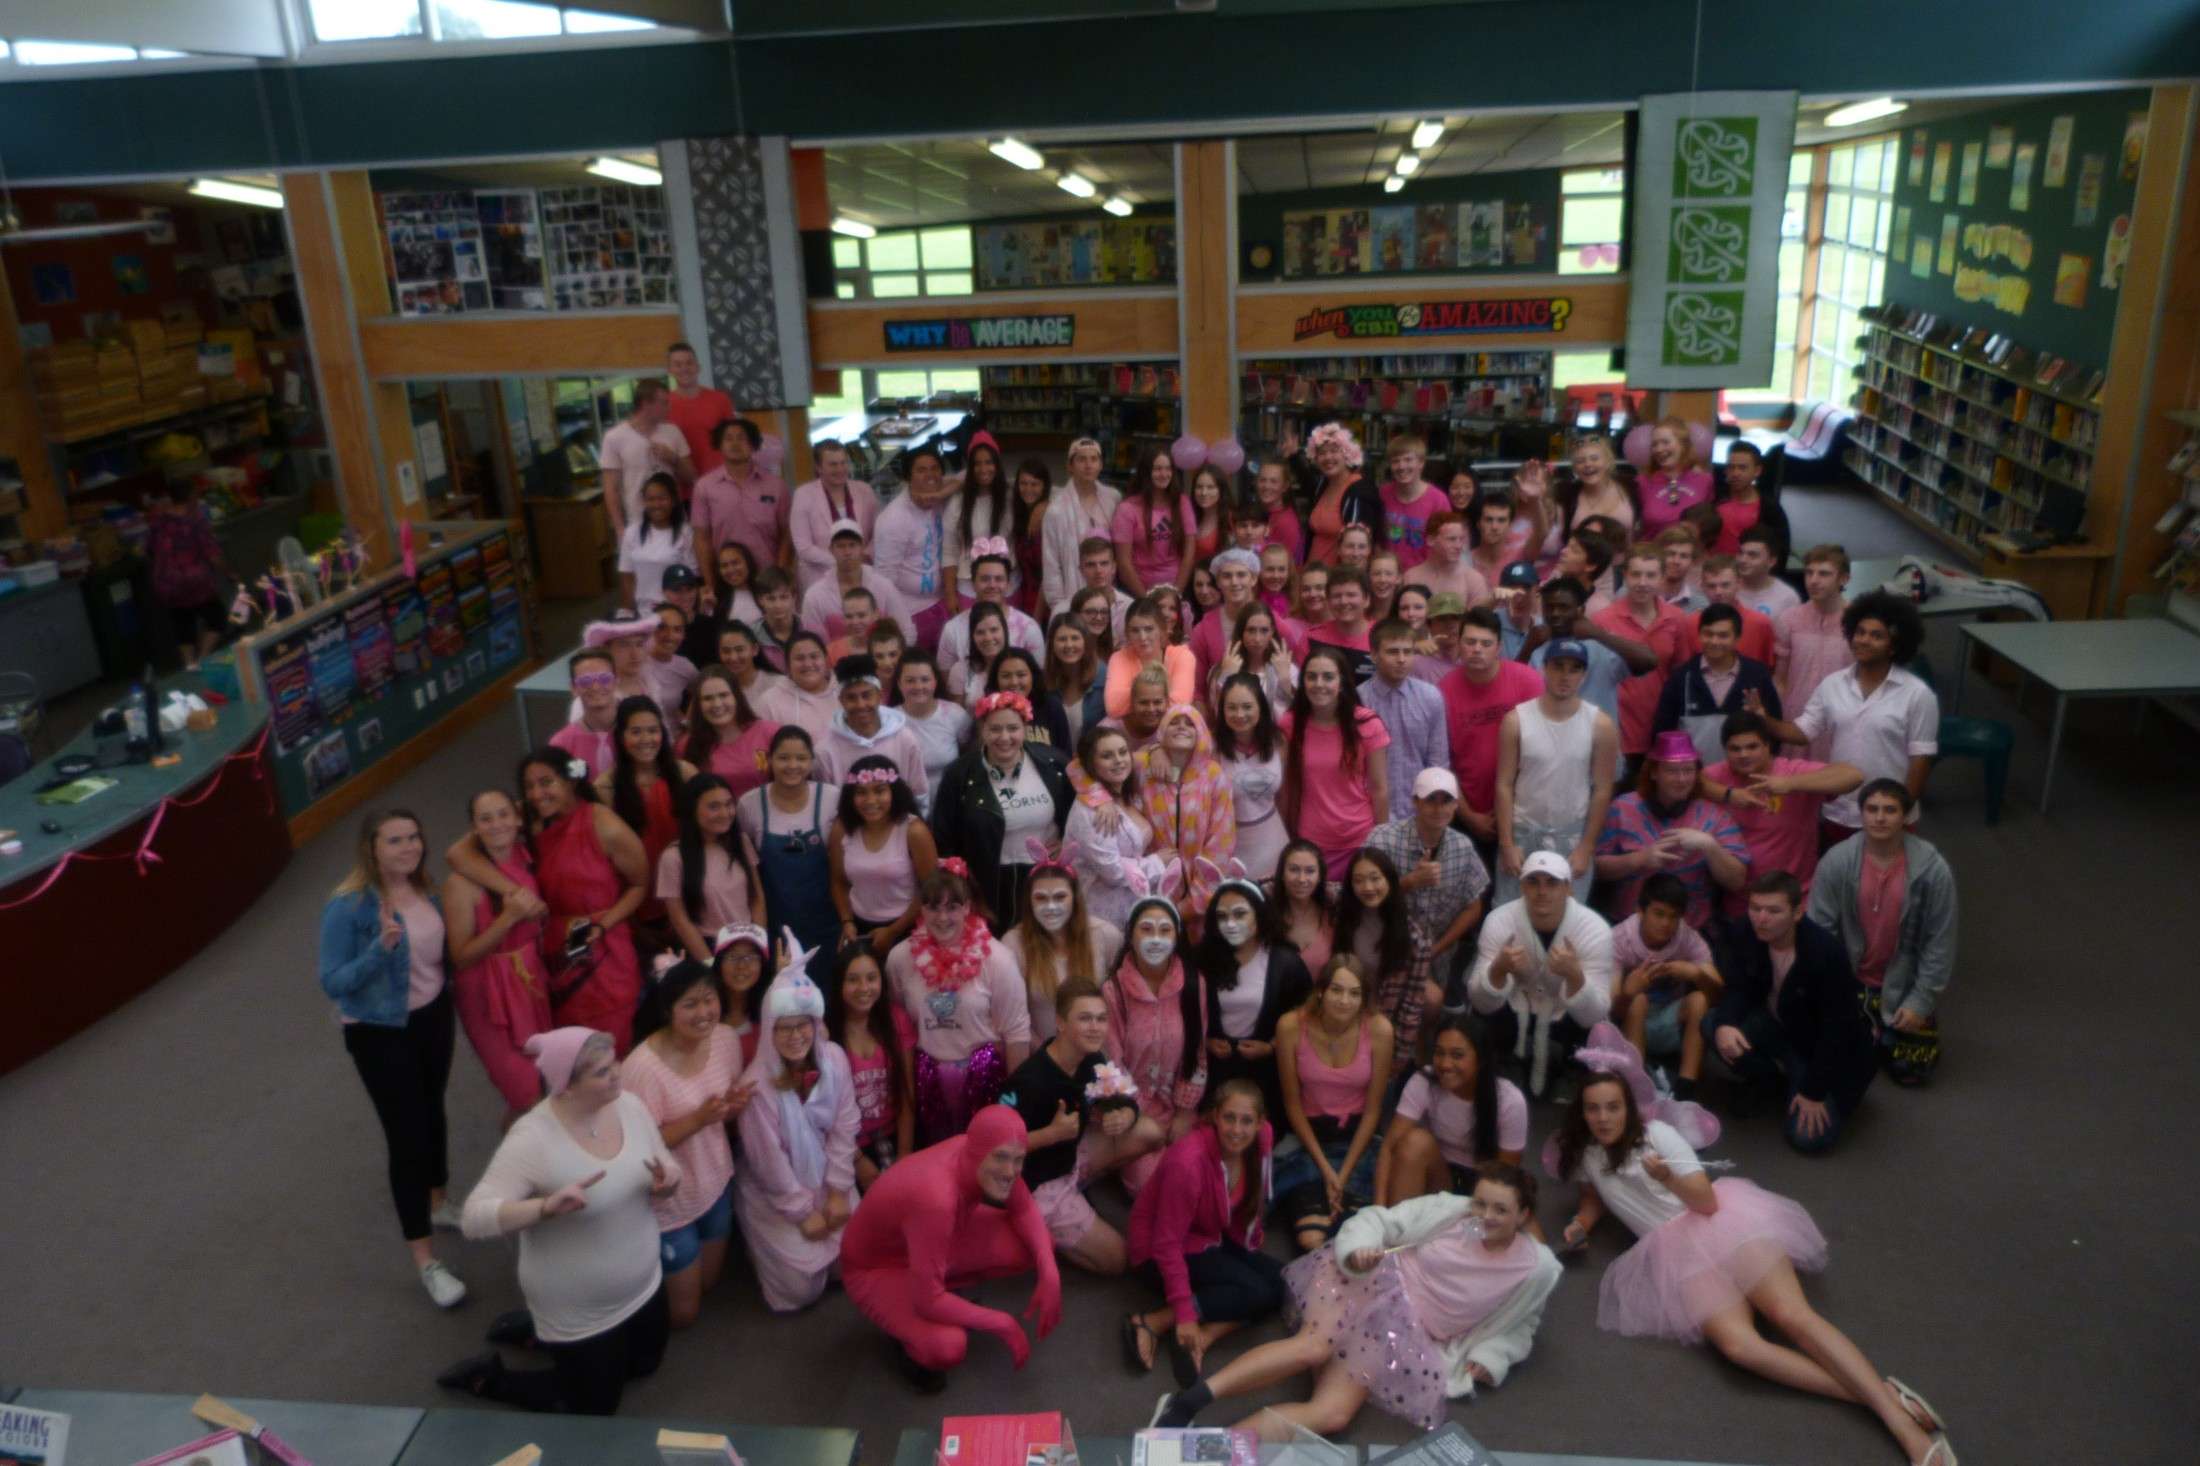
1710 186
1436 318
980 333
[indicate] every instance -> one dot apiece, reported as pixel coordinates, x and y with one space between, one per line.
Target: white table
548 680
2089 659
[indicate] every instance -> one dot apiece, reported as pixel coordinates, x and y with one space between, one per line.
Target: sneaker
472 1376
447 1217
442 1285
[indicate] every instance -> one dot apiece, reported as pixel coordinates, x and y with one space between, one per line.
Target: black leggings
405 1071
1231 1284
587 1376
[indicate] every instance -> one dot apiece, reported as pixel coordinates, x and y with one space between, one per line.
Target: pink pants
985 1247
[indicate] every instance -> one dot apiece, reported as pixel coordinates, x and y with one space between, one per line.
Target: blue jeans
1773 1064
682 1247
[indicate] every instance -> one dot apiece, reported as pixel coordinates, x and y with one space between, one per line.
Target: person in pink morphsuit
949 1216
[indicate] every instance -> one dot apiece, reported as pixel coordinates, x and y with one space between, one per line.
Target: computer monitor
2062 514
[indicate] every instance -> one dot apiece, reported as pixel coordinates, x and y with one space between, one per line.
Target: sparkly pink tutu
1695 1266
1369 1324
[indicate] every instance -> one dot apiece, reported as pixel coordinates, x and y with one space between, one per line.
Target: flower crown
876 776
993 702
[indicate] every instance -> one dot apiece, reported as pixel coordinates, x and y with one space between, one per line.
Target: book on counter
1451 1446
33 1437
695 1448
1042 1439
1195 1447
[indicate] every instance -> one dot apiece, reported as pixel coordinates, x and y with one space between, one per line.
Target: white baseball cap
1547 863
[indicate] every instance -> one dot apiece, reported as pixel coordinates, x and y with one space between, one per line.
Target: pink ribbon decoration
993 545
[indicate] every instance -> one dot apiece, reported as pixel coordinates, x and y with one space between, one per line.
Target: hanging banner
1710 186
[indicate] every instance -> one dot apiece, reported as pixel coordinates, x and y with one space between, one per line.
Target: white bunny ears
792 993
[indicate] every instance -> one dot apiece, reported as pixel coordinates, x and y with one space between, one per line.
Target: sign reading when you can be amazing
1534 314
980 333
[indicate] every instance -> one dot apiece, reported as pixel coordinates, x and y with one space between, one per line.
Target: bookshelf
1970 447
1465 404
1124 405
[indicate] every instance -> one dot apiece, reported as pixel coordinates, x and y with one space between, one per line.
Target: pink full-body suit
925 1229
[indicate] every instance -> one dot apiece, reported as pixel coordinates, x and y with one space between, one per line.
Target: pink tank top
881 883
1337 1093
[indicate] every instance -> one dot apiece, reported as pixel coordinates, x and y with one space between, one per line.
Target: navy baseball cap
1571 648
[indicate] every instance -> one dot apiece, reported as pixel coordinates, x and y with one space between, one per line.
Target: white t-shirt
1629 1193
1026 807
647 558
1451 1119
1240 1002
626 452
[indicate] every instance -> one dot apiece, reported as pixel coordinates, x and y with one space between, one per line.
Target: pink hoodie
1146 1036
1187 1210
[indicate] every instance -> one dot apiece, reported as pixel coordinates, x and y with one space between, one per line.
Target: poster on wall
606 248
2116 252
1394 245
329 654
408 622
1921 257
2057 170
1917 159
2020 178
369 637
2135 145
1482 235
1901 231
2001 141
435 253
441 604
1944 261
1710 193
2070 280
1433 237
1943 155
511 247
289 678
2086 198
1967 175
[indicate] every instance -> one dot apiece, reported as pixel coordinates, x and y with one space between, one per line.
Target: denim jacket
369 982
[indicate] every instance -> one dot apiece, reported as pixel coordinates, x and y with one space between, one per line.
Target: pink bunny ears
1153 876
1609 1052
1049 861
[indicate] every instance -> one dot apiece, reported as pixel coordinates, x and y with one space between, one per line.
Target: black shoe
472 1376
925 1381
1180 1363
514 1329
1177 1411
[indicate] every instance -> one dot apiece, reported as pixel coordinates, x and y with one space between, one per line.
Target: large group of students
1272 847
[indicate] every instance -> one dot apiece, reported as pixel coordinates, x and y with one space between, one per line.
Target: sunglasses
590 681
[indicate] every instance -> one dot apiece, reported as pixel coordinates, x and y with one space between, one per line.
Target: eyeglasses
591 681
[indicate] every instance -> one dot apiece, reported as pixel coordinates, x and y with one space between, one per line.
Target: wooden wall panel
1109 324
1207 200
327 292
1597 317
628 343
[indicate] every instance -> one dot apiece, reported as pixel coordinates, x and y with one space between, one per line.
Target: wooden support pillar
1206 277
45 504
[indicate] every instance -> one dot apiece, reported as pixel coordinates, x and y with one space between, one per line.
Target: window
844 399
460 20
1580 368
1591 218
904 263
1852 261
362 20
493 20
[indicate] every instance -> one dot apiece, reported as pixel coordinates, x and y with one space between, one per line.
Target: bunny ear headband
1046 862
1609 1052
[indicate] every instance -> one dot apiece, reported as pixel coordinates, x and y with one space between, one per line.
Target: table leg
2054 748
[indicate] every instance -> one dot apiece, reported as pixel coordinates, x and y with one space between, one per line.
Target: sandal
1134 1359
1920 1409
1940 1454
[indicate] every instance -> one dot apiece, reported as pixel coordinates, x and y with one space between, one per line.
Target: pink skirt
1696 1266
1370 1326
1062 1204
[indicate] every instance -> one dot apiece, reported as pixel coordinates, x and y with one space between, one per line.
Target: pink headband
992 545
875 776
556 1052
993 702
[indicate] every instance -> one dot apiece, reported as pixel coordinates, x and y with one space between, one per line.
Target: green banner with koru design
1710 185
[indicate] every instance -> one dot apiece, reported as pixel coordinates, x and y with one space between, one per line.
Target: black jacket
966 818
1289 986
1821 1008
1362 502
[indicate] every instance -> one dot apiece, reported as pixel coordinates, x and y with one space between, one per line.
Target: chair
1989 740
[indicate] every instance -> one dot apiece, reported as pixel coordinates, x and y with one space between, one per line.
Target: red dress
577 878
504 1000
660 829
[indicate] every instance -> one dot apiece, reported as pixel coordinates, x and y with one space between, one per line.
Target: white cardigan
1498 1342
1059 537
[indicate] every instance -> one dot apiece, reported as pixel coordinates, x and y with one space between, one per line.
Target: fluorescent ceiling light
853 228
1393 183
1869 111
1076 183
70 53
621 170
1425 136
1120 207
1024 156
236 193
1408 164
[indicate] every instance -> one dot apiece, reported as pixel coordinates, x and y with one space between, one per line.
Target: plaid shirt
1461 877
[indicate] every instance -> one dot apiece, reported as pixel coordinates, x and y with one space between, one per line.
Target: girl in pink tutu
1414 1304
1711 1256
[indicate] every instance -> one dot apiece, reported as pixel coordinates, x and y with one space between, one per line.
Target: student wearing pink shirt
819 508
1674 483
1409 501
1642 616
962 990
1666 980
738 501
1335 760
1808 643
595 687
1775 800
1477 695
1153 527
1272 487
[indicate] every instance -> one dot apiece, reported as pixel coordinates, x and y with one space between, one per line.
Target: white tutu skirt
1696 1266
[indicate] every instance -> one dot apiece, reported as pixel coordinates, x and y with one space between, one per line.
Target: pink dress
878 1106
773 1196
1146 1036
502 999
706 1157
577 879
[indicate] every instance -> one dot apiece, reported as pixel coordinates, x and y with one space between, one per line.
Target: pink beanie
555 1053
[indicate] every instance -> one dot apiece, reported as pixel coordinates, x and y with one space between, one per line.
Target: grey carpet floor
195 1197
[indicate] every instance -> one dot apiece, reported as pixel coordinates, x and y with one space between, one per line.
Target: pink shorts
1062 1202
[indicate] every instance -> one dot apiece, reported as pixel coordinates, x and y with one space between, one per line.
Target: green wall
1092 75
2081 333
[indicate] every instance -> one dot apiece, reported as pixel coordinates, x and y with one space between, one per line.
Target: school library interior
958 734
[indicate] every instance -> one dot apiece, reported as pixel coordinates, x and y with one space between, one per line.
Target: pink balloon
1227 455
1608 253
1699 438
1590 254
1188 452
1636 447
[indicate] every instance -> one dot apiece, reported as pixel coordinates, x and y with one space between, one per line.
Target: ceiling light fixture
853 228
1023 155
1393 183
1870 111
236 193
1408 164
619 170
1425 136
1076 183
1120 207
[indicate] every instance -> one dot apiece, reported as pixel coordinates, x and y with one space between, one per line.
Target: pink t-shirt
1405 526
423 949
1451 1119
1630 951
951 1024
695 417
1472 712
1454 1282
586 744
1809 647
1334 1093
725 886
1881 888
1152 538
1285 529
877 1106
1665 499
706 1157
1335 809
740 760
1784 837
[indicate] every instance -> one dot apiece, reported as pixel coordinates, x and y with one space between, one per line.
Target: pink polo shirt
1784 837
1810 647
752 509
